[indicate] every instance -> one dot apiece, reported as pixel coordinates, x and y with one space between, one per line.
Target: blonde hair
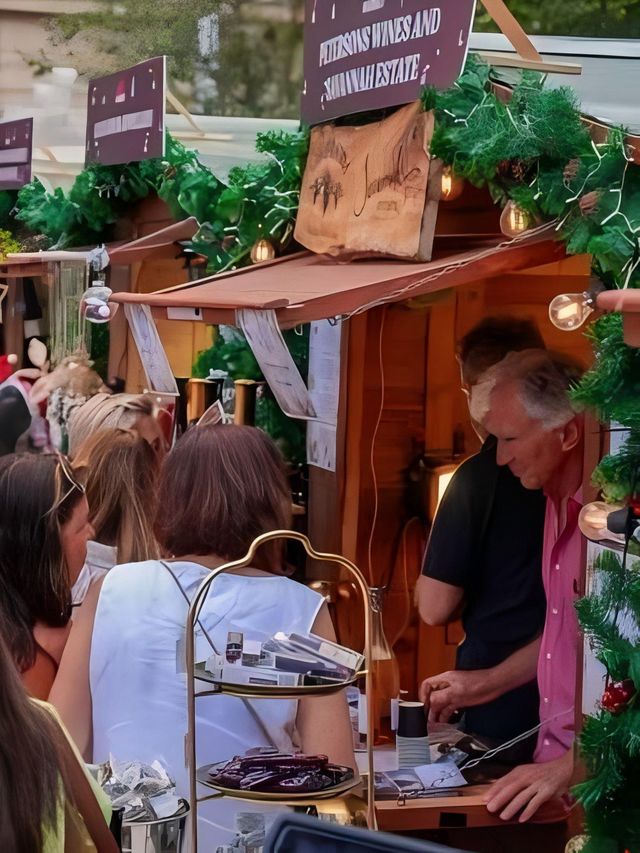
105 411
121 475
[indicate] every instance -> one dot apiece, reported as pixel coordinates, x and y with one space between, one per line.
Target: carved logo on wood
364 188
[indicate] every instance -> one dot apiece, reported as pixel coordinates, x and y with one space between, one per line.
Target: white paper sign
152 355
272 354
324 389
3 292
444 774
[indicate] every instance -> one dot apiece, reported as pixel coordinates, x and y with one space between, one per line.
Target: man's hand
527 787
449 692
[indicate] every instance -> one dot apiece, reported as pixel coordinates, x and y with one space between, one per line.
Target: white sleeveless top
139 697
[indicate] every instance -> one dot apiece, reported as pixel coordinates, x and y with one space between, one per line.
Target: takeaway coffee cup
412 741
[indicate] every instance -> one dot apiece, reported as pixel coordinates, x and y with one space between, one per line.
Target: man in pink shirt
524 403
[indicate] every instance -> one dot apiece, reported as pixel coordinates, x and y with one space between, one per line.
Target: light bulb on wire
262 250
593 522
451 187
514 220
568 311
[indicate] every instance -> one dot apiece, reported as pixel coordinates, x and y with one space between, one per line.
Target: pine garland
260 200
610 741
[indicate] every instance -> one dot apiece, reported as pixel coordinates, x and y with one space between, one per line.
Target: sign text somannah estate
368 54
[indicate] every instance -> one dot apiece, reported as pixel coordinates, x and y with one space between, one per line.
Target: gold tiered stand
197 672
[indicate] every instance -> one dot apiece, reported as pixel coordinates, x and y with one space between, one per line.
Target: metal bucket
156 836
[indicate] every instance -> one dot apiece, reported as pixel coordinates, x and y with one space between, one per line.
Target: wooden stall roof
28 264
160 244
306 287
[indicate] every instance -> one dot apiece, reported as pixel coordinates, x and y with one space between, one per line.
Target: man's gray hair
543 380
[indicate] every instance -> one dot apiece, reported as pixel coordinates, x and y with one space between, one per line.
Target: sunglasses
73 484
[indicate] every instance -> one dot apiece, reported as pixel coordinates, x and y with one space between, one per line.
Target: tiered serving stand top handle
195 673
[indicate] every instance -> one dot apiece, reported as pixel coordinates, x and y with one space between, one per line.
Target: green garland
610 740
260 200
535 151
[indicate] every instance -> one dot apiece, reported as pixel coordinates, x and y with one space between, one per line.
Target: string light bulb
569 311
94 303
593 521
262 250
514 220
450 186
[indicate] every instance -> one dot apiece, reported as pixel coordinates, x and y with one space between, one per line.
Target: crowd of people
102 551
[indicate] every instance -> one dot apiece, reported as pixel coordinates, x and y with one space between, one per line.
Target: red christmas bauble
617 696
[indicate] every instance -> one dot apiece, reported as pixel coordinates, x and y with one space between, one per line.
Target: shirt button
548 655
546 700
557 567
546 742
554 610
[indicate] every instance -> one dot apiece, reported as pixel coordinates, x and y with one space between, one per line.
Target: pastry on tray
279 773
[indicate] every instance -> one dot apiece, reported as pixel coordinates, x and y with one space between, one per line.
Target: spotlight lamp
568 311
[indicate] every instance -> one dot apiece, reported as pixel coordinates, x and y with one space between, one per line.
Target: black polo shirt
487 539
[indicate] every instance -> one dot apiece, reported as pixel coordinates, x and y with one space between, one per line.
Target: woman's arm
323 721
71 692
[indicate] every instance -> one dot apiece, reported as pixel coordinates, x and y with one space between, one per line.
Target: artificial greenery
610 740
260 200
232 354
535 150
7 243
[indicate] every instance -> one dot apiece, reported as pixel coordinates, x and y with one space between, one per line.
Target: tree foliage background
244 57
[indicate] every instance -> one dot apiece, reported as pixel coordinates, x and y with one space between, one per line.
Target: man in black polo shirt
484 559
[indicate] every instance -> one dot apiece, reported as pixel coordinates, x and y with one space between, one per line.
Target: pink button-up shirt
561 564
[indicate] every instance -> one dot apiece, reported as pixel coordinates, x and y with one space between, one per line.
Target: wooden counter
462 812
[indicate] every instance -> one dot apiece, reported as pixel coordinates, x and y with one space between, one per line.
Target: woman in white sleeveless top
220 488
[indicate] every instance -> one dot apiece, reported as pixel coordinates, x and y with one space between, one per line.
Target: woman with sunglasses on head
139 412
44 530
220 488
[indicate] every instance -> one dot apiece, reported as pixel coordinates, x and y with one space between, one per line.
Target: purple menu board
125 114
368 54
16 147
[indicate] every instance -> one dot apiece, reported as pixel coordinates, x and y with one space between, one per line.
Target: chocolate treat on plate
279 773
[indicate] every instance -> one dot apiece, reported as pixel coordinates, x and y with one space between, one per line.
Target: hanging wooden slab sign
368 54
16 147
126 115
366 190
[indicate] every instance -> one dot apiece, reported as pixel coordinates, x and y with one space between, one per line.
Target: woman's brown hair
30 776
220 488
36 497
121 477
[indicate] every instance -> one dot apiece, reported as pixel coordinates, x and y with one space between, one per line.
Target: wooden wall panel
423 404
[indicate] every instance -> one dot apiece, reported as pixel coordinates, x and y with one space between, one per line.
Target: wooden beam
513 60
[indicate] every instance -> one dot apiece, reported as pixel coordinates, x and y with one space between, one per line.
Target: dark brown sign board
126 115
16 148
368 54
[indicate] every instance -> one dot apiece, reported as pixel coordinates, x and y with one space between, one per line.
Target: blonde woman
126 411
121 471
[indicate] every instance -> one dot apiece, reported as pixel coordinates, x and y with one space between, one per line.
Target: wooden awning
306 287
160 244
34 264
